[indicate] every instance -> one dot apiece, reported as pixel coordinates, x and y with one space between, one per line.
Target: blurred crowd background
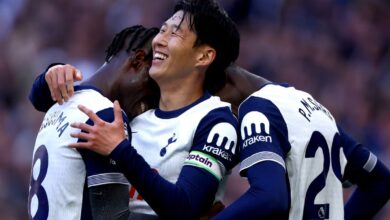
338 50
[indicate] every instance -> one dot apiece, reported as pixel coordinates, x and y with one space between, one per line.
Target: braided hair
139 36
146 95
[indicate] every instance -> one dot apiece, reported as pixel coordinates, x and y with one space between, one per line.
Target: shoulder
216 111
92 99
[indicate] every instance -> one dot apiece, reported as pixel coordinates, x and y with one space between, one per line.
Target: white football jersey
58 172
289 127
166 140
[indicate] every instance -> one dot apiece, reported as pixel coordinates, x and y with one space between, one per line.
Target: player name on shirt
56 118
310 105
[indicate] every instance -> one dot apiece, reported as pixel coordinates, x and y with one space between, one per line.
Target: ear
206 55
138 60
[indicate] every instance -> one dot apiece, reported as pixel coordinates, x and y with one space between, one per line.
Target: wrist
119 149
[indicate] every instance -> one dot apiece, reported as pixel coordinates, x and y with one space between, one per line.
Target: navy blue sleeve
100 169
263 133
191 196
107 188
372 178
267 197
40 96
215 139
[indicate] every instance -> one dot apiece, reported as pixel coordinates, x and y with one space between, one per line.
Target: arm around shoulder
40 96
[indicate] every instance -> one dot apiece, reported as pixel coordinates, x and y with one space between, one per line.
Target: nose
159 40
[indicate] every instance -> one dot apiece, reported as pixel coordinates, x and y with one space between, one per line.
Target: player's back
308 136
58 172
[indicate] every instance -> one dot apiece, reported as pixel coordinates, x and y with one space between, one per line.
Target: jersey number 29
317 140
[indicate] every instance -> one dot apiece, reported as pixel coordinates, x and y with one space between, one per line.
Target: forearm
371 195
267 197
109 201
192 194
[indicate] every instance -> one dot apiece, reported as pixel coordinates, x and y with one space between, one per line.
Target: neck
240 84
178 94
101 80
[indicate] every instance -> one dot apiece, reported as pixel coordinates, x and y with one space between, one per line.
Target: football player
63 179
191 138
297 158
187 145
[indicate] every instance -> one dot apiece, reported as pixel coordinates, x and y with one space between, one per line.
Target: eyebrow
175 26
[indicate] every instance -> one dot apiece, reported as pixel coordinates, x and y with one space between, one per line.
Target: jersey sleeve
106 188
263 147
360 161
40 96
215 147
191 195
102 170
370 175
266 198
263 134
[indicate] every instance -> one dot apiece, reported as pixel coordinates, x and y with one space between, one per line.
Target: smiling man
191 51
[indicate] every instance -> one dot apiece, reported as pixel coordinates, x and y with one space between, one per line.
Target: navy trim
175 113
83 87
286 85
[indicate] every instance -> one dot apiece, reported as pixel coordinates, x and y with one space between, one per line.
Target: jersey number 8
38 204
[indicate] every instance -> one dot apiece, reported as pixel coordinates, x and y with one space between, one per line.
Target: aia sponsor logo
255 128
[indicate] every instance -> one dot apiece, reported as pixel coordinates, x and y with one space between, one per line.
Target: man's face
173 52
130 74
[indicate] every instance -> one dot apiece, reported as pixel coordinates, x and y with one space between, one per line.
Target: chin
153 73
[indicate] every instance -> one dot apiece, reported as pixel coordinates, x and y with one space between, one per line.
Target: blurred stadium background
338 50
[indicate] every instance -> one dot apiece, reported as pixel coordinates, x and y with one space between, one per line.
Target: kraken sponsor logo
218 152
255 127
227 142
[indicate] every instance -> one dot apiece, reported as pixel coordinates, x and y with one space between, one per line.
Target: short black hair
139 37
215 28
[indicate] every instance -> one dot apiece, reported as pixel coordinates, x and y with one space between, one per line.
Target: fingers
69 72
60 79
117 112
96 120
78 76
49 83
82 126
83 135
81 145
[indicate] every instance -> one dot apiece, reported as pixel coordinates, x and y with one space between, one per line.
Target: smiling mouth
160 56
